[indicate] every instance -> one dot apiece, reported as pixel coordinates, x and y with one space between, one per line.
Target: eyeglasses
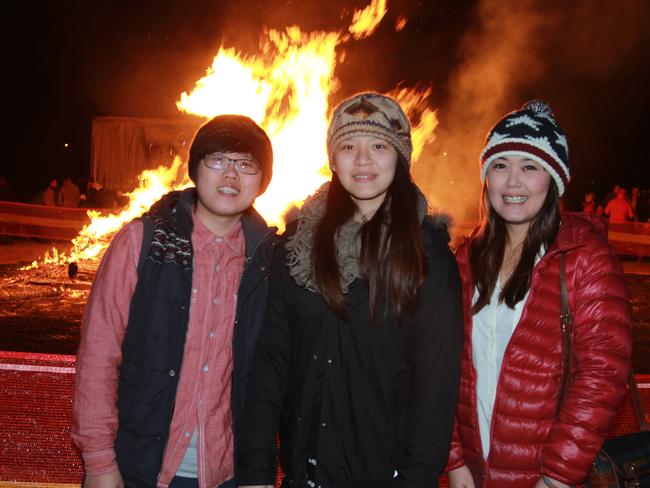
221 162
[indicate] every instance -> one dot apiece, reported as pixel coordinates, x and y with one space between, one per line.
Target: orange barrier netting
35 417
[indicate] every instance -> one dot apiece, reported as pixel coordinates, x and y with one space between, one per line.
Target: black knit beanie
232 133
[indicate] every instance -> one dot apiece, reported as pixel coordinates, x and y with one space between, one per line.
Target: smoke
496 56
515 51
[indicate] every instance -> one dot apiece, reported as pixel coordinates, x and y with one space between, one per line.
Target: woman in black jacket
357 366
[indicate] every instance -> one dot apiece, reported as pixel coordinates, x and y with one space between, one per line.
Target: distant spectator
6 193
121 199
89 196
611 195
589 206
69 194
98 197
619 209
50 193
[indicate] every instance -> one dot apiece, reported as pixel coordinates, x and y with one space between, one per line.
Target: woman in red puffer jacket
507 431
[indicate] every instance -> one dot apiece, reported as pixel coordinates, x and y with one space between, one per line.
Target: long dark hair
488 247
393 267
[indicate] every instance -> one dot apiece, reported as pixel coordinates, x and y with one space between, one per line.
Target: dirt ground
41 310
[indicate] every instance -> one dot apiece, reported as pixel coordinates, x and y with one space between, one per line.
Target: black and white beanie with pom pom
531 132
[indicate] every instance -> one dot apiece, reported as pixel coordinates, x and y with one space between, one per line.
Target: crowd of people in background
68 194
65 195
64 192
618 207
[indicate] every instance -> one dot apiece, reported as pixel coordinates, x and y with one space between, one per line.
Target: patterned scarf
348 241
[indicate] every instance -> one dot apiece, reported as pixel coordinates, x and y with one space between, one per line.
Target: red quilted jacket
527 440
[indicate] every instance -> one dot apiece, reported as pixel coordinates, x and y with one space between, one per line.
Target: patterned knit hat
232 133
371 114
531 132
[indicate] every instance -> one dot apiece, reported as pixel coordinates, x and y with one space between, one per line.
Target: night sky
69 61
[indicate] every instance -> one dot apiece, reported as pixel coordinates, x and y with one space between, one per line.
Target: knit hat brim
526 150
371 114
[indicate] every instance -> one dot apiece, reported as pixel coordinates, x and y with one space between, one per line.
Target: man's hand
106 480
460 478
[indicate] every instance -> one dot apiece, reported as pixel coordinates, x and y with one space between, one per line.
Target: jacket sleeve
255 462
435 370
94 411
602 346
456 459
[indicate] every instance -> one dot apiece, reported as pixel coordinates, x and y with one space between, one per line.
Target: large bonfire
285 89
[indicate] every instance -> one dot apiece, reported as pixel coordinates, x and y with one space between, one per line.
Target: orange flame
364 22
286 90
423 118
400 23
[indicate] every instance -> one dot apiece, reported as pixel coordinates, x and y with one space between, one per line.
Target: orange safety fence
35 417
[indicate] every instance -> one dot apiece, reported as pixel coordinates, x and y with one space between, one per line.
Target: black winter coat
355 404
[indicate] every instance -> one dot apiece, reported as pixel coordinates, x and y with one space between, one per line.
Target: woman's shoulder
435 228
579 230
462 251
594 255
436 238
290 229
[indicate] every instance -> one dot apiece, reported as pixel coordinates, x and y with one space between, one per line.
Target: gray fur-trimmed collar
348 242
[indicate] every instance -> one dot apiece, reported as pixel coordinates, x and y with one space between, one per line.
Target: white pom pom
540 107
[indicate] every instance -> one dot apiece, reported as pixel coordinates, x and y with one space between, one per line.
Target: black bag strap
566 325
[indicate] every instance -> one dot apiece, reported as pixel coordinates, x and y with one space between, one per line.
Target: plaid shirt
203 397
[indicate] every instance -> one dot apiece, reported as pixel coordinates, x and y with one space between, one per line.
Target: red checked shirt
203 395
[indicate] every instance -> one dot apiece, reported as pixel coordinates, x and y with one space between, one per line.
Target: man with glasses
172 320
